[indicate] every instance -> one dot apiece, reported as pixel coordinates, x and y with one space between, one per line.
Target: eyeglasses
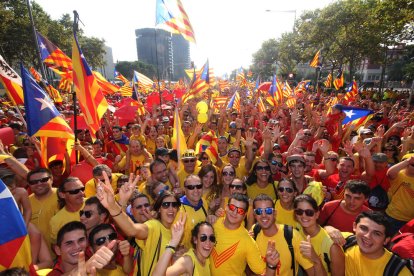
236 187
76 191
239 210
332 158
204 158
307 134
145 205
228 173
388 150
287 189
192 187
267 211
37 181
189 160
266 168
274 163
211 238
308 212
102 240
168 204
87 214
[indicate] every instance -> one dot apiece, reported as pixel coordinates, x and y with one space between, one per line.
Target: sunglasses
87 214
267 211
37 181
145 205
239 210
189 160
168 204
274 163
287 189
100 241
192 187
259 168
228 173
76 191
308 212
307 134
204 158
236 187
211 238
332 158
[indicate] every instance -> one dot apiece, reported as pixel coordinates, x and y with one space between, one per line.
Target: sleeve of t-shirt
254 259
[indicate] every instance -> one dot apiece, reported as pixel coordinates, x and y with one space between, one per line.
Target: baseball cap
161 152
365 131
295 157
379 157
232 150
232 124
188 154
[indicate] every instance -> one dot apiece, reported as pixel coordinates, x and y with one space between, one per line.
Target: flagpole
42 69
158 71
74 99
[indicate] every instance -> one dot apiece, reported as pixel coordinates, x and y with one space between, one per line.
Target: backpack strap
349 242
156 253
288 233
327 261
331 214
394 265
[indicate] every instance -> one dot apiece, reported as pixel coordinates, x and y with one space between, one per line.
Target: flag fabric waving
91 100
199 84
170 15
143 80
353 114
12 82
275 91
14 239
328 82
352 92
339 81
178 139
120 77
52 56
315 61
234 102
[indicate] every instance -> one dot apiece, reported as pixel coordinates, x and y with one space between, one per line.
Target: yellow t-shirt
90 186
284 216
111 272
150 146
182 174
199 269
134 163
401 191
283 249
233 251
61 218
357 264
254 190
322 245
158 238
42 211
140 138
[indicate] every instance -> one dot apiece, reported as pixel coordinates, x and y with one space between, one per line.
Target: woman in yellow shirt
260 181
286 193
211 189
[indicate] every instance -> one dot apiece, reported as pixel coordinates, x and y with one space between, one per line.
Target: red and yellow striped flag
11 82
315 61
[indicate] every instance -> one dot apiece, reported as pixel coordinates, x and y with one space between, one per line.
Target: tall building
108 70
171 56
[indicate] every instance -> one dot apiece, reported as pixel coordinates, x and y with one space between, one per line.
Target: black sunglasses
266 168
287 189
167 204
87 214
37 181
76 191
188 160
237 187
211 238
102 240
228 173
274 163
308 212
145 205
192 187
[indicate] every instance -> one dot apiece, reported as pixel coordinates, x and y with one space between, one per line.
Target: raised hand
126 190
307 250
124 247
272 256
177 230
105 193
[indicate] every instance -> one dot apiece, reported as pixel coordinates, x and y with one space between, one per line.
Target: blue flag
353 113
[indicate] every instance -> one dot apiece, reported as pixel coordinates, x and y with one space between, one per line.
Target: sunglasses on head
145 205
76 191
189 160
236 187
274 163
287 189
266 168
228 173
87 214
211 238
102 240
168 204
239 210
267 211
307 212
192 187
37 181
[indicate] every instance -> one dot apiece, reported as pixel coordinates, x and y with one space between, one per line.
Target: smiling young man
368 256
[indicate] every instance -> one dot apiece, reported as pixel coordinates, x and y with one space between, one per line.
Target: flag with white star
353 113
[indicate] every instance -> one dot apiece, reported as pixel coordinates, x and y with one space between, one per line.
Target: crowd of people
288 191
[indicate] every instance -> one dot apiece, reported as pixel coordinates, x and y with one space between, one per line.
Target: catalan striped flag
107 87
315 61
275 91
143 81
287 91
352 91
120 77
126 89
260 105
14 239
339 81
234 102
52 56
220 101
207 140
36 75
65 85
328 82
291 102
171 16
223 84
240 74
91 100
12 82
199 84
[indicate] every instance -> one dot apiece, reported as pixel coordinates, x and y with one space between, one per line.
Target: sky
227 32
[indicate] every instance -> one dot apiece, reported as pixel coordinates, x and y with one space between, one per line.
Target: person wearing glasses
141 209
43 200
71 195
93 214
196 261
235 249
153 235
189 160
101 236
260 181
286 193
266 217
277 169
323 248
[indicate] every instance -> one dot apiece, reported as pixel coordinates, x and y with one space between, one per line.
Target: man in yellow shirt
91 185
368 256
188 159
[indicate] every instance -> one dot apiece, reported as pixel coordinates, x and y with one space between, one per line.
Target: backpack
378 198
288 234
394 265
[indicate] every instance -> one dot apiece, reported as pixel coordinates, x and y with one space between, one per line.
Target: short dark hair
69 227
38 170
98 169
196 230
348 159
262 197
135 195
378 218
15 271
117 127
101 209
156 162
305 198
356 186
96 229
240 197
161 197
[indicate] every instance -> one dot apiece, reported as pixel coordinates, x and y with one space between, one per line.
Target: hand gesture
81 270
380 131
124 247
105 193
347 148
365 152
198 128
177 230
307 250
101 258
272 256
267 134
335 235
248 142
126 190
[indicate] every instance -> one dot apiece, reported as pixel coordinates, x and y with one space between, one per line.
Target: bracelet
171 247
272 267
117 214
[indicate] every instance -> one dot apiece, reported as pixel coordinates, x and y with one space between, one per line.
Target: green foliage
264 60
126 68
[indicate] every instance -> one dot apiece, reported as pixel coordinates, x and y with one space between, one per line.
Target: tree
126 68
94 51
264 60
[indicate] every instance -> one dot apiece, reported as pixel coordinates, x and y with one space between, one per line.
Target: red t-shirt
335 186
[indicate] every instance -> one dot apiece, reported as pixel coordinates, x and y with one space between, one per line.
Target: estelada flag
14 239
12 82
